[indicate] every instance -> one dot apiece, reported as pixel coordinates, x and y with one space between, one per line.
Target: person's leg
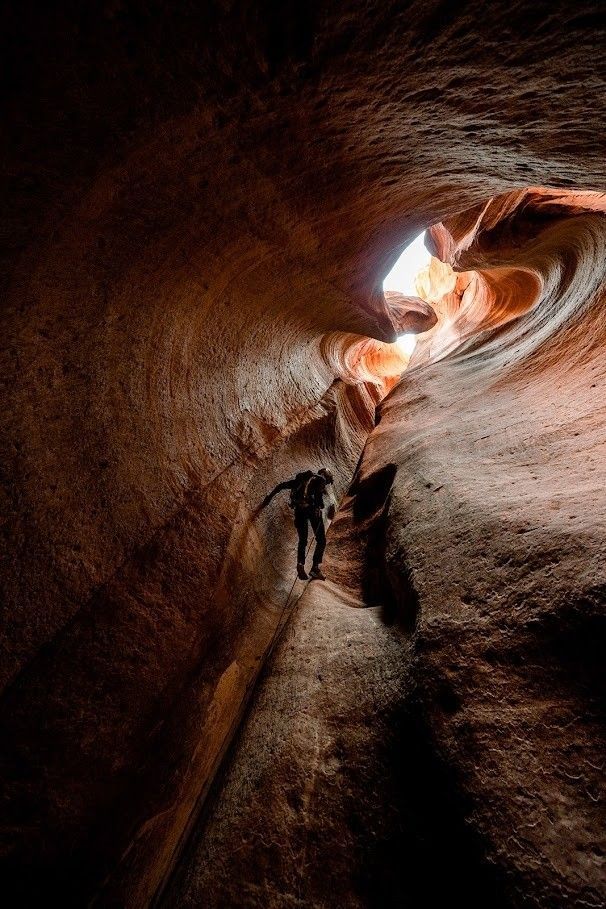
301 525
320 534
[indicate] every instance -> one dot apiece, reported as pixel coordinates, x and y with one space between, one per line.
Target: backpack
301 494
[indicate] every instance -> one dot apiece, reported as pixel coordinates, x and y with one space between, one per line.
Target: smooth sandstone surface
199 209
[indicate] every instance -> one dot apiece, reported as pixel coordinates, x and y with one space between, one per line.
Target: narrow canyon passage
430 728
311 811
333 795
200 207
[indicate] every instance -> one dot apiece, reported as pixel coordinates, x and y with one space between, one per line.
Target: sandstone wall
446 744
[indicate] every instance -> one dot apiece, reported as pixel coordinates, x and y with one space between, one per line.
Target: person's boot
316 574
301 571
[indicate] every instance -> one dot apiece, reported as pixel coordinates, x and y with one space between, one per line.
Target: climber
307 492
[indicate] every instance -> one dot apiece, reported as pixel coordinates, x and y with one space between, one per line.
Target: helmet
326 474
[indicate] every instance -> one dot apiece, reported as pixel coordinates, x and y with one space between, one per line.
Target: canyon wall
445 743
497 521
199 210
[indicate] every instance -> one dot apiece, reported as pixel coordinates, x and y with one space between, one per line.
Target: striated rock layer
199 210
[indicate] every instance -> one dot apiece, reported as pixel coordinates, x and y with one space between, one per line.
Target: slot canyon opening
403 278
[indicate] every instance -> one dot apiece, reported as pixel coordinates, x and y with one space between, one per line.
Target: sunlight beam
402 278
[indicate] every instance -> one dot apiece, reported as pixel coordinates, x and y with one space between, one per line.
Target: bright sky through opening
402 278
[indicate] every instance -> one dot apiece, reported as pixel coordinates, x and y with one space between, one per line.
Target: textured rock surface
300 798
199 210
333 796
498 522
478 532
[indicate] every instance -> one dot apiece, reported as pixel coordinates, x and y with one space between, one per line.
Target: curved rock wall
446 744
199 211
495 534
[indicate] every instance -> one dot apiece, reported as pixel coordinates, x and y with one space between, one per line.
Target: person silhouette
307 493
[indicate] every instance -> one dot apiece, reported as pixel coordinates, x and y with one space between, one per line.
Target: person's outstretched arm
288 484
